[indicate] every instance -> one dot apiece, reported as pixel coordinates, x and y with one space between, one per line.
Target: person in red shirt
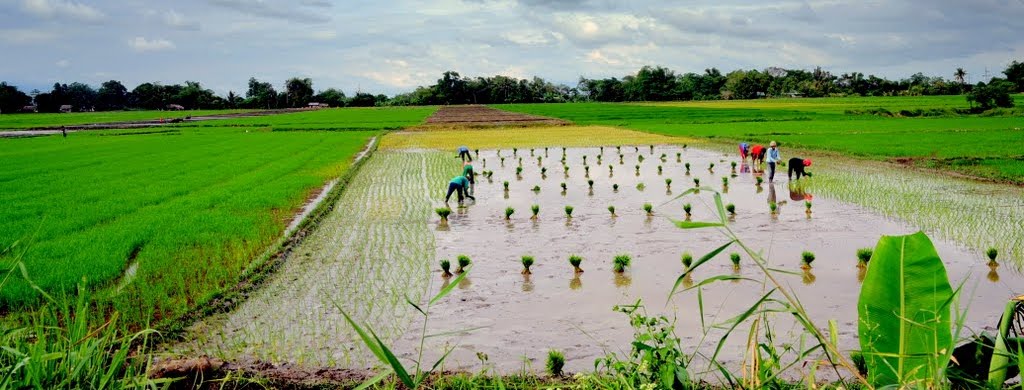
757 154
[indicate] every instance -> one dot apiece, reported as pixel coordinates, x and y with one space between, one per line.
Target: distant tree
232 100
149 96
11 99
362 99
451 89
298 92
960 75
334 97
260 94
81 96
994 94
193 96
1015 74
651 84
112 95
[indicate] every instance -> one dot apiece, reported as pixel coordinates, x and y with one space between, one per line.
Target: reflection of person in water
771 193
744 167
797 193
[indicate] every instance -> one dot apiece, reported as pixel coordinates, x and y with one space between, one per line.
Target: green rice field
31 120
180 212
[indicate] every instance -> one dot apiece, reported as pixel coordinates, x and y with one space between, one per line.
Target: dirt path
476 115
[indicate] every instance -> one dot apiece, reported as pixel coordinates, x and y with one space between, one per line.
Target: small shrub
535 209
446 266
568 211
508 212
687 259
463 263
731 208
864 256
611 209
687 208
992 253
621 262
807 257
527 263
649 208
575 261
443 212
735 259
555 362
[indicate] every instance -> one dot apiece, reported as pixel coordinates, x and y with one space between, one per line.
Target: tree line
650 83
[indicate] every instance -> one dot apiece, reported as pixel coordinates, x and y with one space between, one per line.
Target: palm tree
959 75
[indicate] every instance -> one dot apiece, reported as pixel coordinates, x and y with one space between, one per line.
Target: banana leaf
904 312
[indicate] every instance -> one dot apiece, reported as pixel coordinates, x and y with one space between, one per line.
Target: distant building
175 107
794 94
65 108
317 105
30 109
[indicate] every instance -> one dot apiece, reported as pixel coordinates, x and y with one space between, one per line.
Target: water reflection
993 274
527 283
861 271
622 279
808 277
575 283
465 283
798 193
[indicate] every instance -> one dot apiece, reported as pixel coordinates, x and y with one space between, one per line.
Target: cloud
177 21
284 10
62 9
143 44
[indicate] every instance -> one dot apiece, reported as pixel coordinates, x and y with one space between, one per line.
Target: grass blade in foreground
904 313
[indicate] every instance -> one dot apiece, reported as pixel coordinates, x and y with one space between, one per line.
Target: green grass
332 119
26 121
197 206
973 145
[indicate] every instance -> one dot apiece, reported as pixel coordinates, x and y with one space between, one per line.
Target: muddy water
552 309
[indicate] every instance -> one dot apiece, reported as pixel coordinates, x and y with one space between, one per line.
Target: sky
393 46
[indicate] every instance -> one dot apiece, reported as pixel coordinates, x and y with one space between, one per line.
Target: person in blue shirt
744 151
459 184
464 154
773 158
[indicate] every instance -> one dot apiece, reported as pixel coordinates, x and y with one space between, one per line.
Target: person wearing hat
797 165
464 153
773 158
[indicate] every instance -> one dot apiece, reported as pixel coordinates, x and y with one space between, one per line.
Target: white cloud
63 63
143 44
178 21
63 9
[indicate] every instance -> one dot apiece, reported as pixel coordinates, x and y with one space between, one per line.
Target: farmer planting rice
757 154
773 159
458 184
467 172
744 151
797 165
464 154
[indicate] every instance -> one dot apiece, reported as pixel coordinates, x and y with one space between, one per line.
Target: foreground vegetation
968 144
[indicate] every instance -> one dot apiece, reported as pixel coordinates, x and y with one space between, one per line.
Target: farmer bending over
797 165
744 151
464 154
757 154
467 172
458 184
773 158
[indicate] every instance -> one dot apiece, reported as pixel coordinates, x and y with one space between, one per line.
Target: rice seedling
590 183
687 166
640 158
543 172
564 186
620 160
520 161
586 170
679 157
502 161
731 208
668 182
659 169
505 184
652 149
640 186
565 169
807 206
490 174
446 268
649 208
687 259
735 259
637 167
464 262
556 360
618 149
992 253
443 212
615 187
620 262
725 181
527 263
508 212
663 157
536 189
483 163
696 182
758 181
611 170
515 151
864 256
575 261
684 146
584 159
688 208
599 159
535 209
711 167
773 208
806 258
568 211
602 151
539 160
531 151
545 150
636 149
563 150
733 164
611 210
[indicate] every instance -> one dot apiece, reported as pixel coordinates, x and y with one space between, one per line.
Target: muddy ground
523 317
474 115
